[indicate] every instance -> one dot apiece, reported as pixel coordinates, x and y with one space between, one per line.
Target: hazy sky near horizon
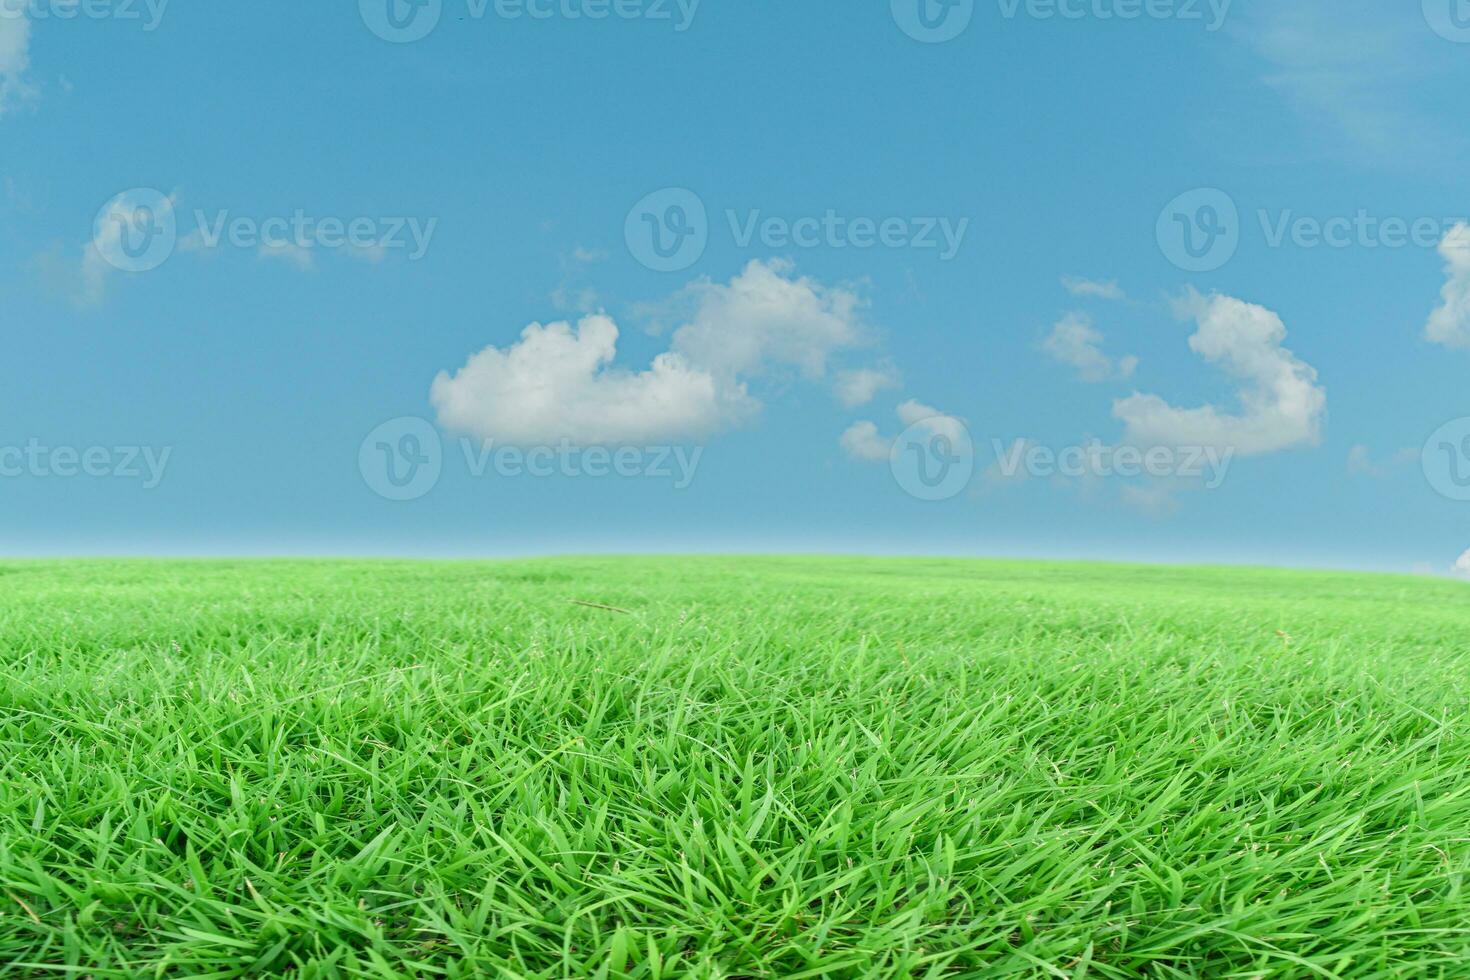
1179 280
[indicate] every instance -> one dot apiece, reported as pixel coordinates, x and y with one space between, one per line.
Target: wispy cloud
15 39
1093 288
289 252
573 294
1360 461
1355 71
1154 498
1074 341
83 281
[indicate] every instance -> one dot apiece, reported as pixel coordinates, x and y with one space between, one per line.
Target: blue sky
885 246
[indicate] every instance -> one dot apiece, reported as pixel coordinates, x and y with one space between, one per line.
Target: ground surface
758 767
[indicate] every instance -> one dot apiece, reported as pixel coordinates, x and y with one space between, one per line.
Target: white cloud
15 38
194 242
1281 404
562 382
860 385
559 383
1450 324
297 255
1462 566
1079 286
569 300
862 440
1074 341
1360 461
83 282
1155 498
572 295
92 283
1363 79
912 413
765 319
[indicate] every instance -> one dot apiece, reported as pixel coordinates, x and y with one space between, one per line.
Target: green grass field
749 767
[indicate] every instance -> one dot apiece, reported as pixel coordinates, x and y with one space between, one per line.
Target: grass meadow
721 767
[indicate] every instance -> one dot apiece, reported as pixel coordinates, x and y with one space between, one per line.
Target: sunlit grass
744 767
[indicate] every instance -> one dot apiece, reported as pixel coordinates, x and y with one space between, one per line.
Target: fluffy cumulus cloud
1450 324
561 382
912 413
1074 341
768 319
1462 566
1281 404
862 440
15 40
1093 288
